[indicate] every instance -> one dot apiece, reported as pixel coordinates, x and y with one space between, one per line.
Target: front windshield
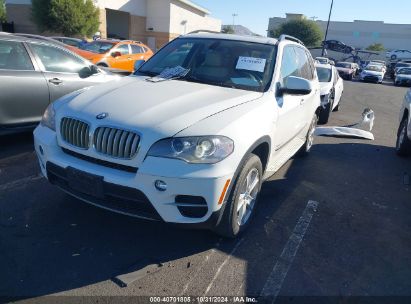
343 65
405 71
373 68
324 74
98 47
227 63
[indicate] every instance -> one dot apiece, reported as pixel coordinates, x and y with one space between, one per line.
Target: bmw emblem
102 116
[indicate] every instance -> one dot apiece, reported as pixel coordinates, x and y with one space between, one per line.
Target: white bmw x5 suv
191 136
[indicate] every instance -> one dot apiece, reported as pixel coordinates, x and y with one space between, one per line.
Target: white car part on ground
356 130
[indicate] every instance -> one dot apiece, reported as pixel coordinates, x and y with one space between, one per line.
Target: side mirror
116 54
138 64
296 86
85 72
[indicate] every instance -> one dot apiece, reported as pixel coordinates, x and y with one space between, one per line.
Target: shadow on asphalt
51 242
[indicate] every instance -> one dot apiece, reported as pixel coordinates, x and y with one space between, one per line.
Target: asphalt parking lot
355 240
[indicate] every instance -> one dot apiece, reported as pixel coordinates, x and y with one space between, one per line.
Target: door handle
56 81
302 101
129 58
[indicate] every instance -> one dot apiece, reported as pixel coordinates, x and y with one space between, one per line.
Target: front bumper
192 199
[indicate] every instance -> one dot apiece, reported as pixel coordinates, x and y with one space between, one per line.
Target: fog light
160 185
41 150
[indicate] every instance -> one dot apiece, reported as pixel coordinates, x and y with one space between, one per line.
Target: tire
306 148
403 144
232 224
324 114
393 57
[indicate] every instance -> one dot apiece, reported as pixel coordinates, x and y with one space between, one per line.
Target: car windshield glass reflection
98 47
405 72
343 65
226 63
324 74
373 68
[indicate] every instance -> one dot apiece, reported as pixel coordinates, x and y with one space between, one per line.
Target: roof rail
290 38
204 31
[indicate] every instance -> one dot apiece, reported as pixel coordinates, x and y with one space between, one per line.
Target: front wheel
403 145
243 199
325 114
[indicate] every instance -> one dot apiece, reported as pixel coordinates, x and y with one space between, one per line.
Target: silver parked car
34 73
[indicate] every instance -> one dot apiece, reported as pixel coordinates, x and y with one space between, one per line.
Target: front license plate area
85 183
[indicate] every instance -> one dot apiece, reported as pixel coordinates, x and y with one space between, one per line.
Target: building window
376 35
356 34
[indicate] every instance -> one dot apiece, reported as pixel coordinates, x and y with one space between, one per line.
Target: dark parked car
34 73
337 46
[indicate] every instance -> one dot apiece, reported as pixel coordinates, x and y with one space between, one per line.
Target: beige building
359 33
154 22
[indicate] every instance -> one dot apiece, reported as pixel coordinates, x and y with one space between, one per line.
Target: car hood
162 109
325 88
345 70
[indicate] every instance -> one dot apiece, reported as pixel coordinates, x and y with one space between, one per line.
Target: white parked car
332 87
403 145
403 76
373 73
399 54
191 136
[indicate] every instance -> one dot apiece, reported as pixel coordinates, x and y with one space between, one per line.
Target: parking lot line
276 278
222 265
20 182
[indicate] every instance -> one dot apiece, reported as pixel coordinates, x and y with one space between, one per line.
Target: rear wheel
403 145
306 148
243 199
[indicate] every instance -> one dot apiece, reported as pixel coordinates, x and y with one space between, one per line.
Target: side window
289 64
57 60
13 56
135 49
303 64
123 49
311 63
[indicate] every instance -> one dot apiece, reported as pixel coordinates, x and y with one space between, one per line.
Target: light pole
328 25
234 15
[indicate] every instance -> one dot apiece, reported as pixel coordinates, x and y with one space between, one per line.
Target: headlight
49 118
197 150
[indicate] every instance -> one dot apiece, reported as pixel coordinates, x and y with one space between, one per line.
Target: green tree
376 47
69 17
3 17
307 31
227 29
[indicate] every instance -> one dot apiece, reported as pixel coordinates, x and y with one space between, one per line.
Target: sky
254 14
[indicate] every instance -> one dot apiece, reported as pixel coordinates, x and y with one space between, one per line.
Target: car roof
344 62
255 39
31 38
373 65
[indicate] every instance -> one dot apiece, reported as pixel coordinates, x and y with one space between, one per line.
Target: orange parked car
115 54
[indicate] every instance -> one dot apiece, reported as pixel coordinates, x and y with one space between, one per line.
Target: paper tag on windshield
170 73
251 64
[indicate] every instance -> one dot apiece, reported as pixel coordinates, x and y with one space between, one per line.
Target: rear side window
135 49
13 56
57 60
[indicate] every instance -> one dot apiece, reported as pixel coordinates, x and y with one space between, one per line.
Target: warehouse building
154 22
359 33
